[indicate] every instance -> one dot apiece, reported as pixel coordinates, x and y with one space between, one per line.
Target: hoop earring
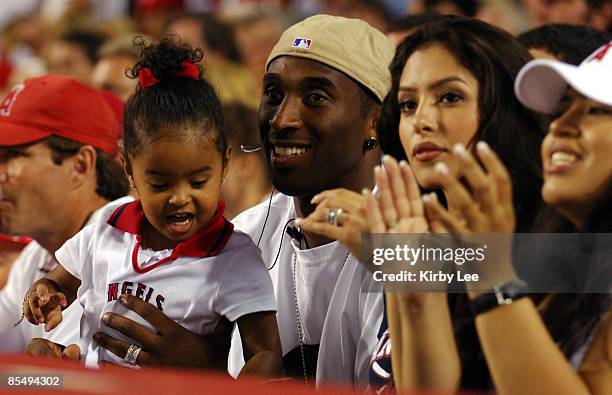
369 144
223 179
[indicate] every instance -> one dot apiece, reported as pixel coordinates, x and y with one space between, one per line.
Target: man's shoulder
273 212
33 262
239 242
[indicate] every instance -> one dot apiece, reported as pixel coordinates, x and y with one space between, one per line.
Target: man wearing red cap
58 141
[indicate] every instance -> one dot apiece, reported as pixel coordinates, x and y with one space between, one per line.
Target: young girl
172 248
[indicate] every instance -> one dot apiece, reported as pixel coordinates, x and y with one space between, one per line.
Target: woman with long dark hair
561 343
452 83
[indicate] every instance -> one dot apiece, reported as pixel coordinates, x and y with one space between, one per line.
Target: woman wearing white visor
570 352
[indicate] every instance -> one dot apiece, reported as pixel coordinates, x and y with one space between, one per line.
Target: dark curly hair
174 104
569 43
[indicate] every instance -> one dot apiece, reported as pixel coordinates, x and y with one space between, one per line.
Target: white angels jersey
216 273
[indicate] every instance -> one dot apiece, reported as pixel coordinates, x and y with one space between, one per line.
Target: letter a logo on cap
7 104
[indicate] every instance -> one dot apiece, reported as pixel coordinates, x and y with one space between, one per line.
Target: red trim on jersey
206 242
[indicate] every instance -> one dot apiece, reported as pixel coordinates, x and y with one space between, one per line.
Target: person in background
152 16
223 65
115 57
248 183
450 7
373 12
74 54
264 29
405 26
567 43
594 13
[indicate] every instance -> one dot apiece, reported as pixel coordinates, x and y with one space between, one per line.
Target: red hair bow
188 70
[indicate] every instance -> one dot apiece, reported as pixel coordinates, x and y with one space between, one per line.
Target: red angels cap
60 106
541 83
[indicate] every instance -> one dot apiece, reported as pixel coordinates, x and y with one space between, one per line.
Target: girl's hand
44 304
351 221
398 208
487 206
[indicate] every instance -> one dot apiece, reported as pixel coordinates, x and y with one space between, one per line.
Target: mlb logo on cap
301 42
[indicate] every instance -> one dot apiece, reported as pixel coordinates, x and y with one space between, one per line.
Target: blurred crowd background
92 39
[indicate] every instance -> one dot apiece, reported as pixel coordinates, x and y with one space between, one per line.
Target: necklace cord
267 215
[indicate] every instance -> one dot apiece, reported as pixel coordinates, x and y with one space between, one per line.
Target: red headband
188 70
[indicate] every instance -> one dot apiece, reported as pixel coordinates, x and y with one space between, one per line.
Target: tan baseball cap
347 45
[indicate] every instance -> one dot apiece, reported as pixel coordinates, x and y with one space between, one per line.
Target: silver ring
332 215
391 224
132 354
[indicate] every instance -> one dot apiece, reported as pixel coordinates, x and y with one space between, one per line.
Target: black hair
373 6
367 100
569 43
110 177
89 42
466 7
572 318
410 22
218 35
174 104
515 133
595 4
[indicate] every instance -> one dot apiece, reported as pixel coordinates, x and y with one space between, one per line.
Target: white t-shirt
334 312
216 273
31 265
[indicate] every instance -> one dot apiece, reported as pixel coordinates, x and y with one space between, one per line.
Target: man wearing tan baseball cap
324 83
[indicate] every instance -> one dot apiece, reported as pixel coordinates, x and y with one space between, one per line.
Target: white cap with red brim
541 83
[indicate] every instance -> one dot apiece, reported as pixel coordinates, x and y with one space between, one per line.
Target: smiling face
576 154
312 125
178 180
438 101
